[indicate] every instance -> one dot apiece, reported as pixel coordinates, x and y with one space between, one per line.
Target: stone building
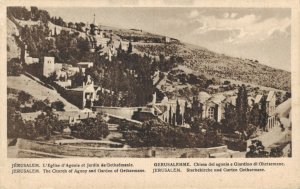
170 111
84 96
166 39
213 106
48 66
271 110
209 106
62 70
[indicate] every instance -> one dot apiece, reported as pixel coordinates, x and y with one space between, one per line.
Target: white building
48 66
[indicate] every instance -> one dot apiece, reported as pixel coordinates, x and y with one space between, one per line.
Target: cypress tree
178 120
129 48
230 118
255 115
170 115
55 33
264 115
241 108
120 47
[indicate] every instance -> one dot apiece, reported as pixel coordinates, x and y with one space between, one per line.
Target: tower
48 67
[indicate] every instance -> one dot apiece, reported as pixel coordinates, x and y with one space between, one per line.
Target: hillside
202 61
38 91
13 50
220 66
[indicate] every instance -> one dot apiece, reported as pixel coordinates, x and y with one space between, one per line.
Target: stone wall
69 150
125 112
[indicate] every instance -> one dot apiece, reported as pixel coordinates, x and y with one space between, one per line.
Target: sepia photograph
148 82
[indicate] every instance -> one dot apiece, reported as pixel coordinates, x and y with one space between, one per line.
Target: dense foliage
46 122
14 67
43 125
127 80
242 108
159 134
91 128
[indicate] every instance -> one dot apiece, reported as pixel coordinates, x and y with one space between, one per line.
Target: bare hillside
221 66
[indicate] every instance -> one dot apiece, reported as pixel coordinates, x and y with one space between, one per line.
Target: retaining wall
126 112
161 152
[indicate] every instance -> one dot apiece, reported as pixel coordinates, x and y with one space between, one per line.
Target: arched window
211 112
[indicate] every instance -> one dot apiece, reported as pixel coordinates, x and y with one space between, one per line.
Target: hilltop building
94 29
166 39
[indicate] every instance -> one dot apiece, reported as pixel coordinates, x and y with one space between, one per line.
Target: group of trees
33 14
35 38
167 49
65 47
70 48
43 126
14 67
239 117
58 21
200 82
32 105
257 150
160 134
127 76
14 119
47 123
91 128
78 26
242 118
166 64
145 39
258 115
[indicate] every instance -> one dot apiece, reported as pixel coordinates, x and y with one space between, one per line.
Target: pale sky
257 33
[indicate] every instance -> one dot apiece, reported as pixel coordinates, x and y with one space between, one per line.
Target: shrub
159 134
91 128
58 105
24 97
14 67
